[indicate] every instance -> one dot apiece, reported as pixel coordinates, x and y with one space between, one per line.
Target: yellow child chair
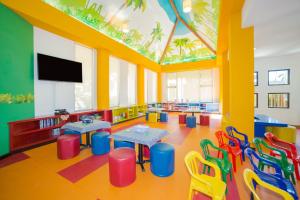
152 117
212 186
250 176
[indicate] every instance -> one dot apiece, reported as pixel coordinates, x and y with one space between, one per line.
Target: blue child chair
244 144
275 179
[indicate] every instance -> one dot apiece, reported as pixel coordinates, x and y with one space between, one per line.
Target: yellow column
159 87
241 67
102 79
140 85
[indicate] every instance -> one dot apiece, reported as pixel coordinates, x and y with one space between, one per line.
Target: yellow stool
287 134
152 117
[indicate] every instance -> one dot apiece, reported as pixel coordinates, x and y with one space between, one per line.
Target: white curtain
150 86
193 86
85 92
122 82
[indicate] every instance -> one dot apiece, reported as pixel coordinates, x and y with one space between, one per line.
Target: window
193 86
122 82
150 86
85 92
279 77
278 100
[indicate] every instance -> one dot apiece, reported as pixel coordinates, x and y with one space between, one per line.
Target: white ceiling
276 26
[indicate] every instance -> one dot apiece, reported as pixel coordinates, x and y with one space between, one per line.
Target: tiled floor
37 177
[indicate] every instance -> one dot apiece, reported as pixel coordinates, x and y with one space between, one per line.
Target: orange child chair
289 148
250 177
212 186
234 150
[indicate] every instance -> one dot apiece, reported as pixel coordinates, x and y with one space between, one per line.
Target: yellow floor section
37 178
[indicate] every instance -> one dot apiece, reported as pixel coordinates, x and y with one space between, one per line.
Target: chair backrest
270 137
204 146
192 161
220 136
258 144
250 177
230 130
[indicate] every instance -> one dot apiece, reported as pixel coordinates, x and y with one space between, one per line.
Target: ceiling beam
188 26
168 42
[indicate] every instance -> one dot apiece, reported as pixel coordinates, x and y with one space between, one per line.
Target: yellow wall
159 87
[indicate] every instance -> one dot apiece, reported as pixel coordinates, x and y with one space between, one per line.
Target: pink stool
204 120
105 130
68 146
122 169
146 150
182 118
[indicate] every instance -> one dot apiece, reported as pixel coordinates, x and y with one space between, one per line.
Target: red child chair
233 150
289 148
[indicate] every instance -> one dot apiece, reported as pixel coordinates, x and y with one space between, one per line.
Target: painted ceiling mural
161 30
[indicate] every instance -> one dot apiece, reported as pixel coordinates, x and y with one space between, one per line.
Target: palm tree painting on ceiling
149 26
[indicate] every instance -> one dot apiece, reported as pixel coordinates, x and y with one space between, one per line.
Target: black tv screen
58 69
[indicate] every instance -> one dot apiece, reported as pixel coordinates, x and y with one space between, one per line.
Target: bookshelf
28 133
121 114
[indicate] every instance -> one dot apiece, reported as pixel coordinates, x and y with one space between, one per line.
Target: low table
262 121
142 135
86 128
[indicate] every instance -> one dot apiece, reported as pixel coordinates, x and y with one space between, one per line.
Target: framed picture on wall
279 77
255 78
278 100
255 100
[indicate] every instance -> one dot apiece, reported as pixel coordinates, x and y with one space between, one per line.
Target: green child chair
282 161
223 163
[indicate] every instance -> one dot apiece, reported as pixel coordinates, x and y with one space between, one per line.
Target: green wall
16 72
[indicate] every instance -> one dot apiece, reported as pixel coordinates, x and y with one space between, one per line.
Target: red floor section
83 168
13 159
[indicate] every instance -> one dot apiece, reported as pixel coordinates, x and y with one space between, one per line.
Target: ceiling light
187 5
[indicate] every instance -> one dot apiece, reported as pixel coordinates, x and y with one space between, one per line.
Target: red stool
204 120
182 118
146 150
68 146
122 169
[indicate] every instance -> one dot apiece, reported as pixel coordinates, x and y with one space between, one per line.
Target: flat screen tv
58 69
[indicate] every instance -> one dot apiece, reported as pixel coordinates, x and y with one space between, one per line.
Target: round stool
122 167
146 150
162 159
163 117
71 132
204 120
100 143
68 146
191 122
121 143
182 118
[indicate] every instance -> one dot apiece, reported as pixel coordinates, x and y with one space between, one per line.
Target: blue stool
163 117
162 159
147 116
121 143
191 121
100 143
71 132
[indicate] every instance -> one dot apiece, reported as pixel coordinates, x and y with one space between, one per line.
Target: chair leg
251 196
230 173
296 165
234 163
208 169
293 178
204 169
243 155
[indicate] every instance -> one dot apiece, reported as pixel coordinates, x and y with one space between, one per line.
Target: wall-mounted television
58 69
